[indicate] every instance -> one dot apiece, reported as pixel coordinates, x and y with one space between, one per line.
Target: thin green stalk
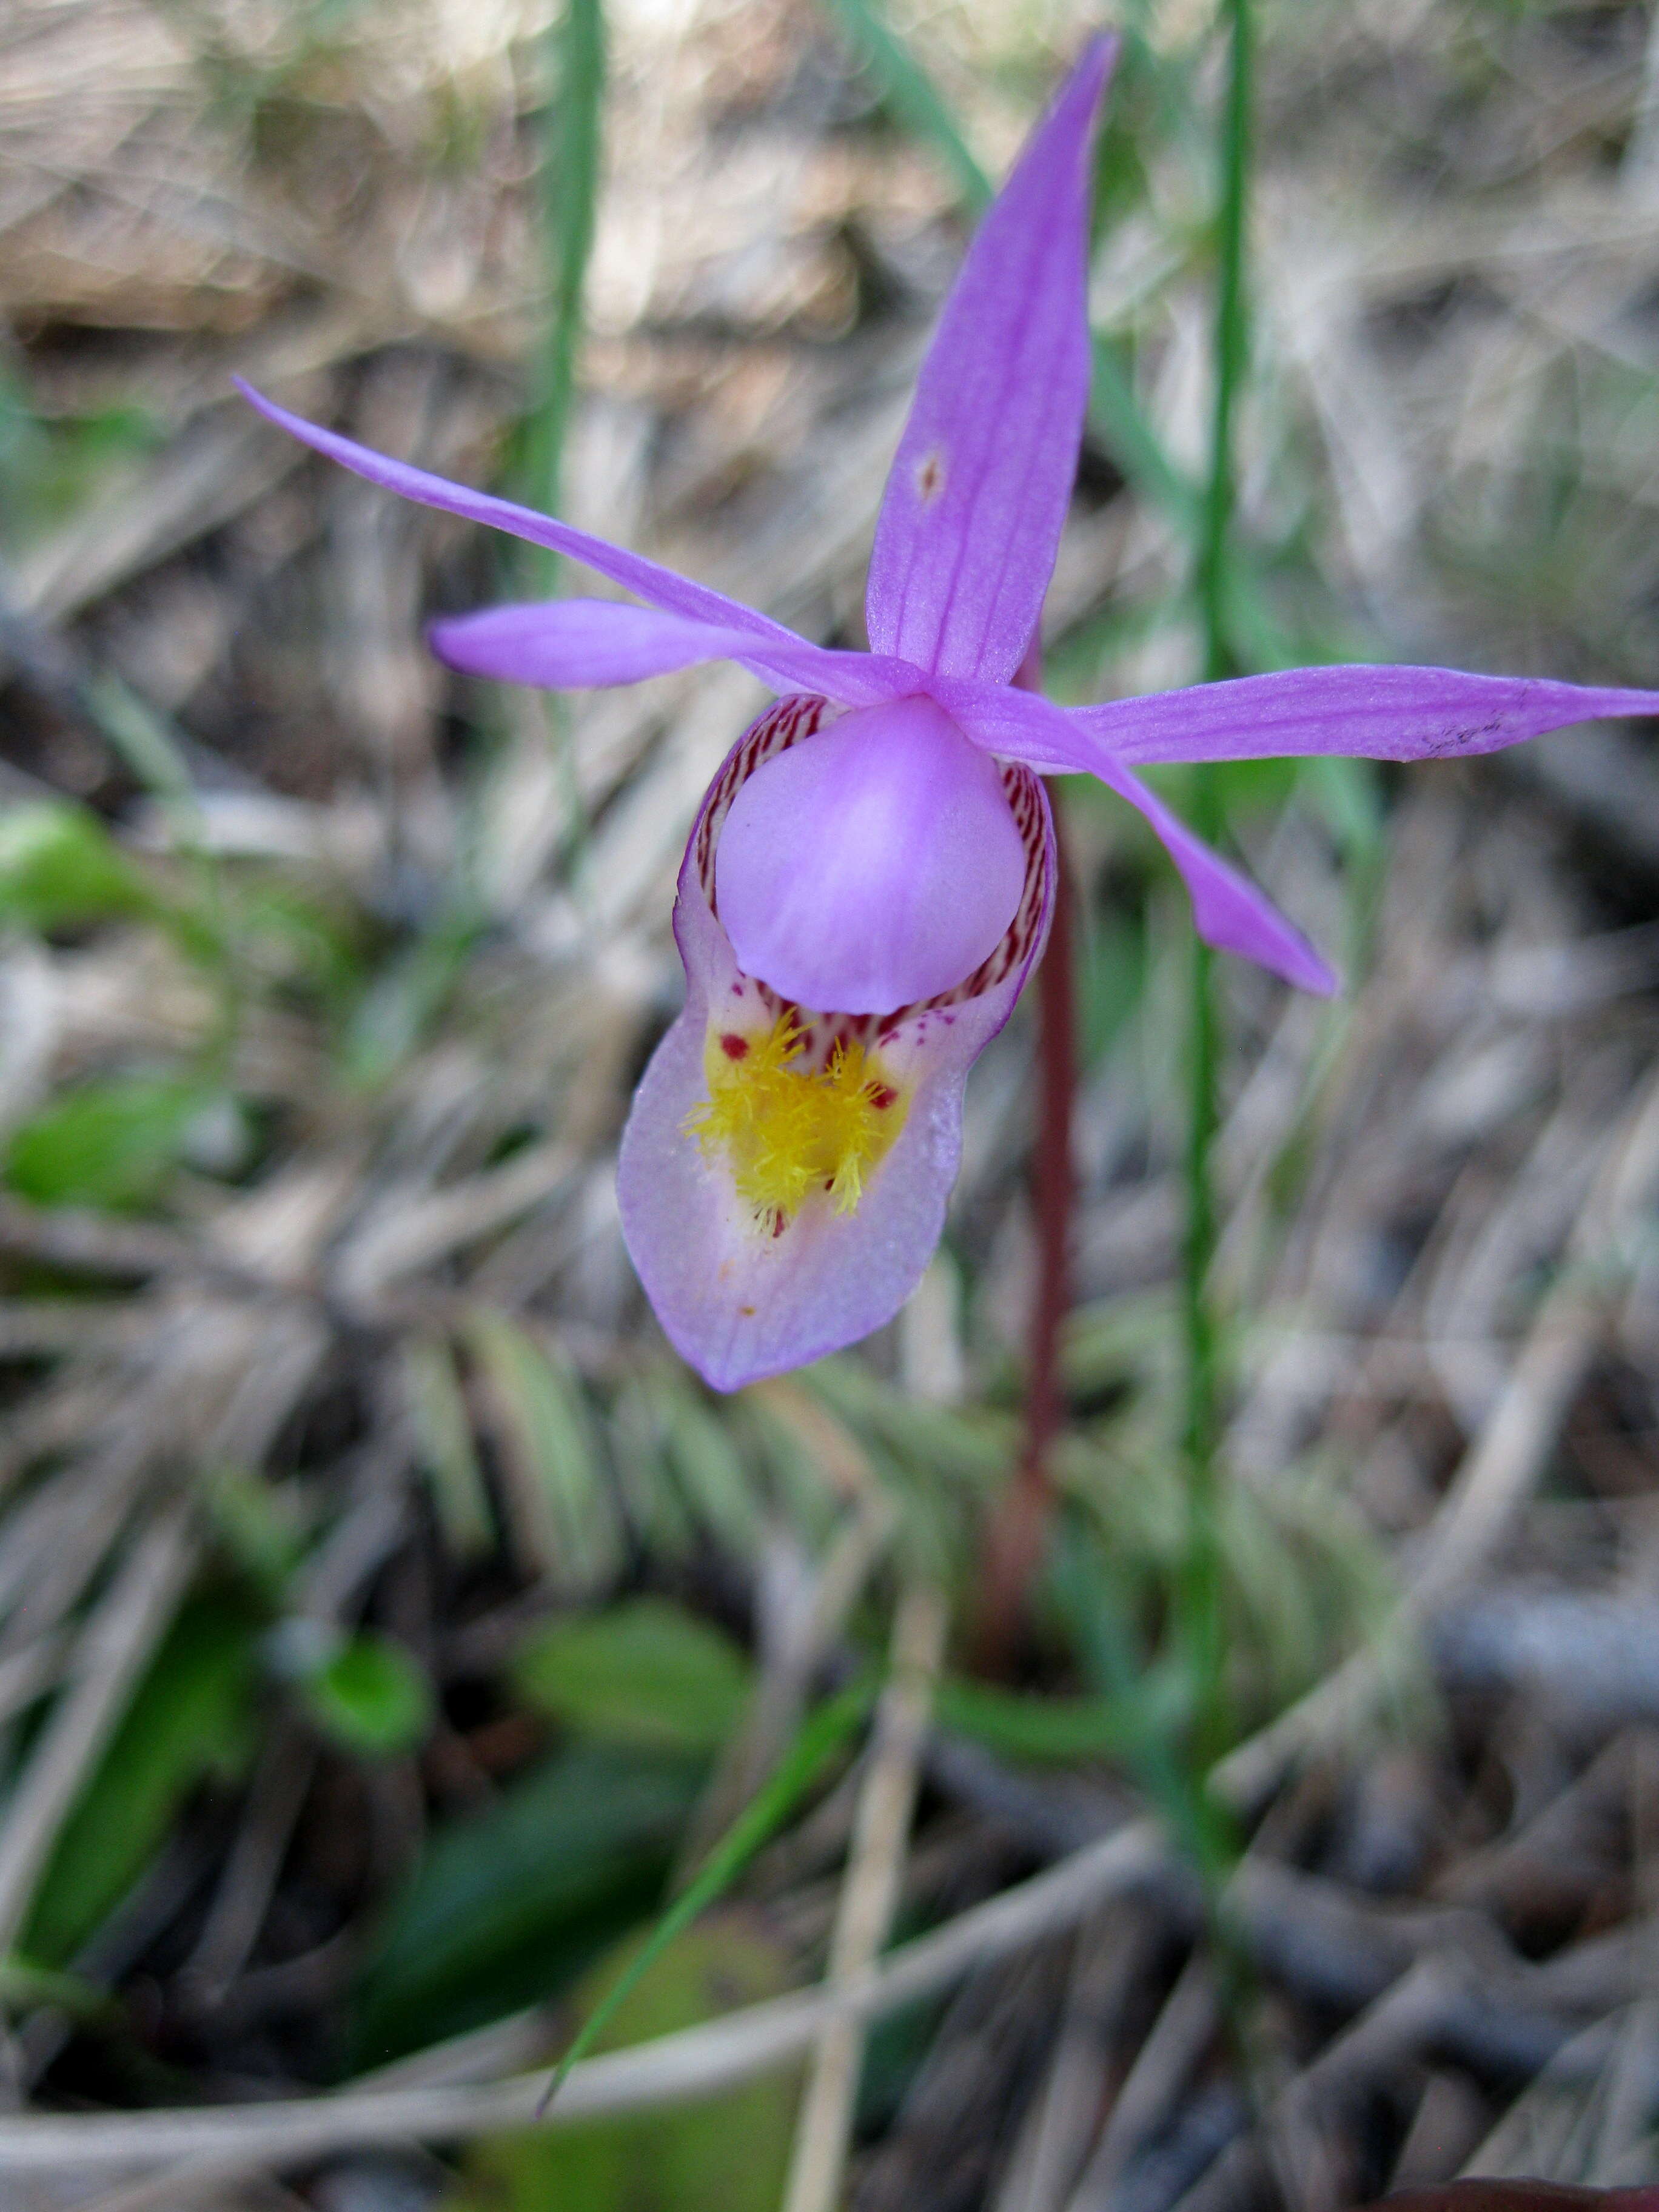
570 189
149 745
820 1739
570 186
1200 1598
912 97
1231 345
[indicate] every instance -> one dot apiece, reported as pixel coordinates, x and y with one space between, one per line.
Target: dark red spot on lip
733 1046
779 1223
883 1095
930 477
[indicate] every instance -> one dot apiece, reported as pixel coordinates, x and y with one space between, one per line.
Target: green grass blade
911 97
1119 421
818 1740
142 739
1198 1597
570 186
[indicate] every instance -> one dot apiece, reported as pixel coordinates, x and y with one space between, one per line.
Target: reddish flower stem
1020 1525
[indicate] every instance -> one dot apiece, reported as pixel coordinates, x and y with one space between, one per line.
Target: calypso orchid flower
870 878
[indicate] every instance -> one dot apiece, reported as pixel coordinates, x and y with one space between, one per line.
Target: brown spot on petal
930 477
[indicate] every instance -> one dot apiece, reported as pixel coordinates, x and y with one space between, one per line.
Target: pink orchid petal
1018 723
875 865
1377 713
653 582
737 1303
971 519
1228 910
574 645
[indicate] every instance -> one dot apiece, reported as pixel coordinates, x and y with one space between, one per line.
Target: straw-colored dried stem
875 1870
695 2062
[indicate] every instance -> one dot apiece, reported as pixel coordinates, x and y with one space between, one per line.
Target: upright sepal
970 521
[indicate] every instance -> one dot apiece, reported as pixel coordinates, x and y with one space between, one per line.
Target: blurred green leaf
1049 1731
24 1987
706 1460
730 2155
1128 127
371 1695
508 1905
59 867
51 465
300 941
261 1525
645 1671
1349 794
443 1432
966 1445
109 1144
547 1435
1111 971
143 739
1115 1344
658 1517
191 1718
405 999
1082 1584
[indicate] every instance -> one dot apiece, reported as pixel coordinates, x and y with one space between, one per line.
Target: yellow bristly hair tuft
784 1132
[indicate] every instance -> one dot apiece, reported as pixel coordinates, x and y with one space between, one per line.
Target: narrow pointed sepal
657 586
1229 911
1374 712
784 1173
577 645
972 517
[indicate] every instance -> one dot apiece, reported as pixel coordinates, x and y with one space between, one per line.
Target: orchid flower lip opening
871 874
